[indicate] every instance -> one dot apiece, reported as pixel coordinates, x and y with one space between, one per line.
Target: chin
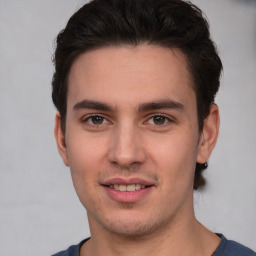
133 230
132 227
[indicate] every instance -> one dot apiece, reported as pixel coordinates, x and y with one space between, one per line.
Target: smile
125 188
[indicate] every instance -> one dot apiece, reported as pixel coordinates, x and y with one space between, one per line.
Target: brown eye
97 120
159 120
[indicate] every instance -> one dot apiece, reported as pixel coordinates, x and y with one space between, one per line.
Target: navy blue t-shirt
225 248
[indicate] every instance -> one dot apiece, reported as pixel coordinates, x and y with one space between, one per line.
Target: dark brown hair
166 23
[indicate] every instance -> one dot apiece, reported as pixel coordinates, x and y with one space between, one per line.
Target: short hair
166 23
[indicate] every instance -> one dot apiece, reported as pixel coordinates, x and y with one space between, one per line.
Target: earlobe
209 134
60 139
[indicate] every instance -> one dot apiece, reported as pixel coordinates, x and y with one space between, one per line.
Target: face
131 138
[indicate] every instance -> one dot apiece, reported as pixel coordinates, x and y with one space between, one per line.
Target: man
134 86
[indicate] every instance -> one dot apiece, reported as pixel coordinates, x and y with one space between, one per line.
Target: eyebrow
144 107
91 104
162 104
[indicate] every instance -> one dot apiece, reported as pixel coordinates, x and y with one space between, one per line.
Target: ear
60 139
209 134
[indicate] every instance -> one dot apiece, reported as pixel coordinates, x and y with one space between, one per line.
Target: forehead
135 74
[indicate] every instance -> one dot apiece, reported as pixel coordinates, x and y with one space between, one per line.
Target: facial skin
132 118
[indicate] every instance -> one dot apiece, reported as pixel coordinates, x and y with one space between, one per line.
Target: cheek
176 166
85 150
175 157
86 159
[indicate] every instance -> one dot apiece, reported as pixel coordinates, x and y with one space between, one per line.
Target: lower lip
127 197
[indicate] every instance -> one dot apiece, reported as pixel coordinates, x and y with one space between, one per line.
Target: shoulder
72 250
232 248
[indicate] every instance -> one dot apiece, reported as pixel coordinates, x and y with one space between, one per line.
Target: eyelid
88 116
167 117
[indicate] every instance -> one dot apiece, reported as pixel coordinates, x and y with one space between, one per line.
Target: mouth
127 188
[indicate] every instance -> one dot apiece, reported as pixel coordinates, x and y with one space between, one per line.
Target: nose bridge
126 147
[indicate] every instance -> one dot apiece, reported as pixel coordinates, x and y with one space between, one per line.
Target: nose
126 149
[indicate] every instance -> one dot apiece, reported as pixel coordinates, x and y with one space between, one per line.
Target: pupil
159 120
97 120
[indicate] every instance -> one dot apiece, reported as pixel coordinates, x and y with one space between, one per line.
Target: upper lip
127 181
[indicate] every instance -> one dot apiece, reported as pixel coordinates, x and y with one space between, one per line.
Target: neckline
220 247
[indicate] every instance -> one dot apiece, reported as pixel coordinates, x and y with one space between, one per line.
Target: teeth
122 188
130 188
138 186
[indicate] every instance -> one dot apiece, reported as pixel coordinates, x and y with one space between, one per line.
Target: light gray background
39 211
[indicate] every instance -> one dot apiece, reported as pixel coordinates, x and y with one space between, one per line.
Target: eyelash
88 120
166 120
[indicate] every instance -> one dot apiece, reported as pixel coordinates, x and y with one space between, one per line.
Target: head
172 24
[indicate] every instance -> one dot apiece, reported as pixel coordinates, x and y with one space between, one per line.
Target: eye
159 120
95 120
